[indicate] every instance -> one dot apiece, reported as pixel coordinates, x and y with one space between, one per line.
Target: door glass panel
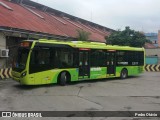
80 58
86 58
111 63
83 64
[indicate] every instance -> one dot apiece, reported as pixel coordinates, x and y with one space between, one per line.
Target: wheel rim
124 74
65 78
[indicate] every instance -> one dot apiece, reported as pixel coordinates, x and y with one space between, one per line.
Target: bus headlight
23 74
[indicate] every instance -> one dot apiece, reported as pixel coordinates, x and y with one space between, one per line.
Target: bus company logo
6 114
96 69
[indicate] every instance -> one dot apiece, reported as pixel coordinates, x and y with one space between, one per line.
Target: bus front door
84 68
111 62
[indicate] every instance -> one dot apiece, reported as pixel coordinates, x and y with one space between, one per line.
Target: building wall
153 52
152 37
151 60
158 38
12 44
2 46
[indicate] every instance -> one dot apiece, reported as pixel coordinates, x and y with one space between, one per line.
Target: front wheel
124 74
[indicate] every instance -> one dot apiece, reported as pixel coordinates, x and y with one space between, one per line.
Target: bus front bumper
16 76
16 79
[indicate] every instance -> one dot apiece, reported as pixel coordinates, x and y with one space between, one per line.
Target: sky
140 15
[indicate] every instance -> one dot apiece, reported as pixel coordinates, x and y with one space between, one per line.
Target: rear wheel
124 74
64 78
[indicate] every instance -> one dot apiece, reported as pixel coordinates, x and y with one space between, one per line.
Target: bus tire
64 78
124 74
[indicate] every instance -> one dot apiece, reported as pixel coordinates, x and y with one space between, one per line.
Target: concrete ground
141 93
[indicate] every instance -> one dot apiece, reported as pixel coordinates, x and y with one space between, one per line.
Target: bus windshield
21 59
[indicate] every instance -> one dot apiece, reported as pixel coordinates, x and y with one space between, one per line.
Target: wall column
2 46
158 38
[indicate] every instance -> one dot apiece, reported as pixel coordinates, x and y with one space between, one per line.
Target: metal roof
24 17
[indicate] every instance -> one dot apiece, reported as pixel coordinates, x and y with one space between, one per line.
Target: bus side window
75 59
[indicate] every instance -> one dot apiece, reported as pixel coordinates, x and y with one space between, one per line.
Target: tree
127 37
83 35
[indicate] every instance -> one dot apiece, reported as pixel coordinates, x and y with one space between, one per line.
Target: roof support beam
32 11
6 6
13 30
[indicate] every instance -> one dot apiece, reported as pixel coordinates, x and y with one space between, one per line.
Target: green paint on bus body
51 76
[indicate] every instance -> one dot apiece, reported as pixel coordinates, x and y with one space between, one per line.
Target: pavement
140 93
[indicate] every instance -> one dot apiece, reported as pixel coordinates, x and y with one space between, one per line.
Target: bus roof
88 44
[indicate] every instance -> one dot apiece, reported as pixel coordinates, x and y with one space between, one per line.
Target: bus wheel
63 79
124 74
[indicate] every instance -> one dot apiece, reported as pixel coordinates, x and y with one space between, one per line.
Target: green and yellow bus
52 61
